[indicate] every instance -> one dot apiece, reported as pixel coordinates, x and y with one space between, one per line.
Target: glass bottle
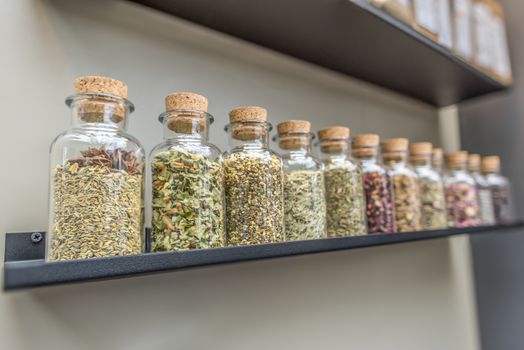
304 194
187 179
96 177
432 196
253 181
405 183
343 177
437 160
378 190
461 192
487 216
500 190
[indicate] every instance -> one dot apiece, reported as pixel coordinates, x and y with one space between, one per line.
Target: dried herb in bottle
304 196
461 193
343 178
304 205
187 179
485 200
253 181
97 206
187 202
406 192
500 190
379 199
377 185
432 195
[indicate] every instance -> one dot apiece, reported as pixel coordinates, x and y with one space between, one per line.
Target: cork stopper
288 126
365 140
189 112
334 133
474 162
186 100
421 148
395 145
248 113
420 152
255 119
365 145
394 149
96 110
334 139
490 164
100 85
294 134
457 160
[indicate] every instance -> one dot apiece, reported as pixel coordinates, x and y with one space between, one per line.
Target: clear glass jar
487 216
405 182
344 192
432 195
378 190
461 192
96 180
304 194
500 190
253 181
187 179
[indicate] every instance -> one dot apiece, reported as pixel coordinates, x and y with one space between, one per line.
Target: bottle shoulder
401 170
263 154
84 137
496 180
301 163
373 168
204 149
344 163
458 177
428 174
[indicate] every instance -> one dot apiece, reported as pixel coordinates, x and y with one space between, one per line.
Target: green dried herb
344 201
254 198
187 202
304 205
407 203
434 216
97 206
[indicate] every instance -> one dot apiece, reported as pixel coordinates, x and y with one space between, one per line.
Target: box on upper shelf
490 43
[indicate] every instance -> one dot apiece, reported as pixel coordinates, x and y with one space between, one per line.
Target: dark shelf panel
25 268
348 36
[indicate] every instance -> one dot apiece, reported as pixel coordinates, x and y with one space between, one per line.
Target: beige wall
410 296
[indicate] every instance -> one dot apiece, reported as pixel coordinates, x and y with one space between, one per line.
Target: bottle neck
99 111
395 159
186 126
367 160
249 135
296 152
420 162
457 171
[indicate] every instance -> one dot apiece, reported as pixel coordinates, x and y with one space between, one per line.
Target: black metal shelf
25 266
349 36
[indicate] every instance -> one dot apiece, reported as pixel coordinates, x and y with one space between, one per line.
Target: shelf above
349 36
25 266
